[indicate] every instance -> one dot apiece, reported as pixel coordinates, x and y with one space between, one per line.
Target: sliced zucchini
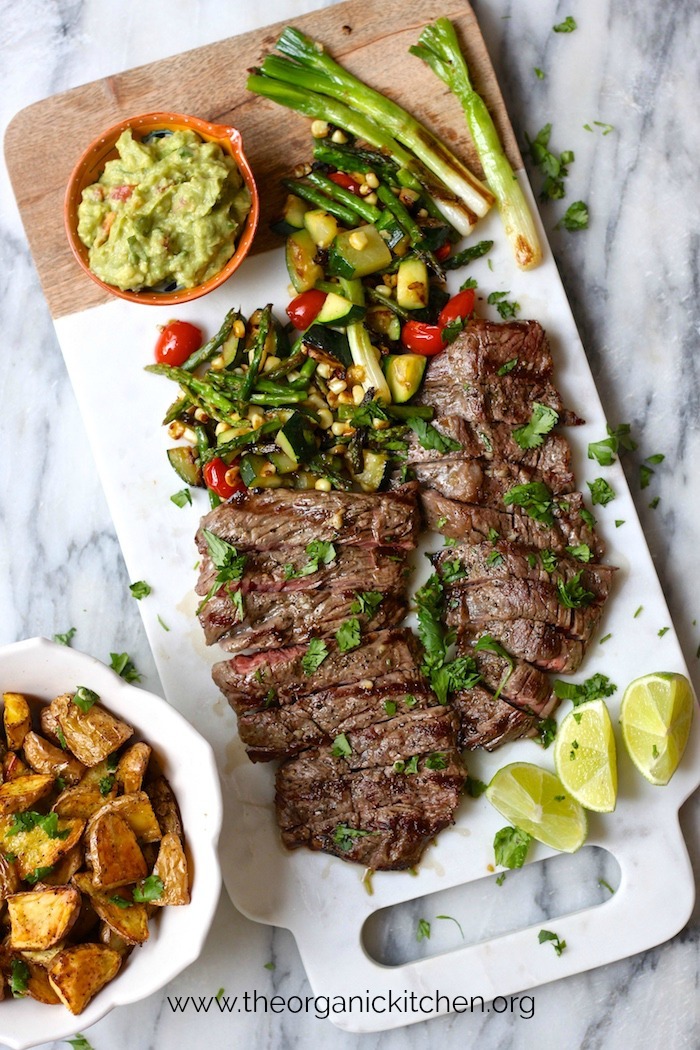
337 310
300 256
292 217
183 459
330 341
322 227
376 471
383 321
253 475
283 463
412 285
297 439
355 253
404 374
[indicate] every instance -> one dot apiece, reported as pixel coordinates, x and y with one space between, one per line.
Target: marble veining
632 280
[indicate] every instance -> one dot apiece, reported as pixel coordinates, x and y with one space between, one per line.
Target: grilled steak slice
515 599
541 644
281 731
352 569
246 681
274 518
473 524
485 347
474 481
521 684
493 441
489 722
473 563
275 620
376 816
504 399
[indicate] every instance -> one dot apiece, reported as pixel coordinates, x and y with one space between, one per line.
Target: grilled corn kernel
176 429
384 290
232 474
301 170
319 129
342 430
201 416
323 485
380 424
267 470
371 180
355 374
358 240
357 394
270 363
325 371
339 136
345 398
292 377
256 418
217 363
372 198
325 418
238 329
337 386
364 189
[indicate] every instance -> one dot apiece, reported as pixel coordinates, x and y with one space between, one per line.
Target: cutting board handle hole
540 894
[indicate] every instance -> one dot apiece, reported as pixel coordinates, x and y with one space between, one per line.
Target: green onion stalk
439 48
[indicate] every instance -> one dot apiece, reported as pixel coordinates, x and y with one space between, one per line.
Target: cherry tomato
443 252
177 341
346 181
460 305
422 338
304 309
215 477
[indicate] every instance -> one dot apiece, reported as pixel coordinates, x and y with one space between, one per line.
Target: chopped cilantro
542 420
79 1042
436 761
348 635
567 26
37 874
535 499
510 846
344 837
19 978
367 602
124 666
140 589
423 930
547 935
30 819
572 593
582 552
618 522
65 639
474 787
505 369
314 656
150 889
120 902
320 552
539 73
547 730
596 687
601 492
645 475
163 624
182 498
85 698
549 560
450 918
452 571
505 307
341 747
106 784
228 563
575 217
390 708
663 631
430 437
555 168
605 638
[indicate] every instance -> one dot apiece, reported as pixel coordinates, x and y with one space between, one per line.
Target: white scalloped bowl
43 669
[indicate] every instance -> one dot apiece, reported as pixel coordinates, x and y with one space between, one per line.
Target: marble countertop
629 72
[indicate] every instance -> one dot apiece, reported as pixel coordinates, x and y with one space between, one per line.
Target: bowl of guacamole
162 208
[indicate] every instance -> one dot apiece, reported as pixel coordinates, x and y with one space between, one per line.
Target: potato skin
171 867
17 719
22 792
44 757
113 852
79 973
41 918
90 735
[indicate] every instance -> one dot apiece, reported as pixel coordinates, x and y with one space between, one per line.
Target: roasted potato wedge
132 767
113 940
39 986
44 757
113 852
137 811
77 974
84 799
13 766
65 868
91 735
42 918
17 719
165 806
129 923
22 792
171 867
34 849
9 877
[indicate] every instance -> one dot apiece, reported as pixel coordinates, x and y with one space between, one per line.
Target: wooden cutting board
370 38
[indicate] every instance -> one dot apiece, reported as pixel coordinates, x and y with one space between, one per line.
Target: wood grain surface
370 37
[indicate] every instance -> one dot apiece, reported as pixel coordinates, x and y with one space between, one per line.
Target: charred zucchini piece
300 256
332 342
404 374
339 311
358 252
184 462
292 217
412 284
296 439
376 471
256 473
322 226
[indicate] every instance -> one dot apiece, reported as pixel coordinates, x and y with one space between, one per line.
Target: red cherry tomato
443 252
422 338
177 341
346 181
304 309
460 305
215 476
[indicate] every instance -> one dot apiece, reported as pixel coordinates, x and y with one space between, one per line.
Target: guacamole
166 212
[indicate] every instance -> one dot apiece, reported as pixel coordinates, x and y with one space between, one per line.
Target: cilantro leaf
474 787
65 639
503 371
437 760
79 1042
575 217
582 552
510 846
505 308
452 571
227 561
150 889
567 26
341 747
19 978
182 498
344 837
85 698
547 730
37 874
314 656
542 420
601 492
124 666
572 593
596 687
488 644
547 935
423 930
140 589
348 636
367 603
535 499
430 437
320 552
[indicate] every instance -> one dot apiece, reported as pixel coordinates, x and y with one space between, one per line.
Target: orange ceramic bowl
91 165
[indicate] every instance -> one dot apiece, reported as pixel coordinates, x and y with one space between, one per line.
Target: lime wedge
535 800
584 756
656 714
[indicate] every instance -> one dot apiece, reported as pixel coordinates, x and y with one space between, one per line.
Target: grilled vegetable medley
91 845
